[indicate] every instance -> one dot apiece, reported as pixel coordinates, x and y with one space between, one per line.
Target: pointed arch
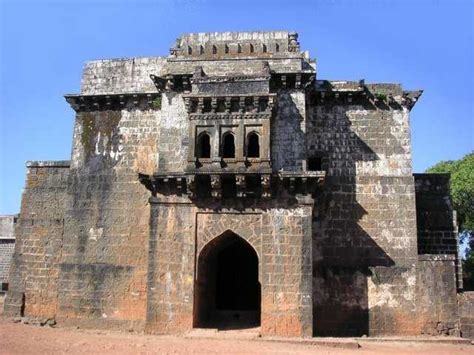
203 145
222 239
253 145
227 288
228 145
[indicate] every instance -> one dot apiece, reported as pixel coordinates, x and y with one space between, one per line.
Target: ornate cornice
382 96
103 102
230 78
231 116
216 107
263 185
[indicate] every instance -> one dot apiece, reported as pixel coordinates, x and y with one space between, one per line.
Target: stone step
214 333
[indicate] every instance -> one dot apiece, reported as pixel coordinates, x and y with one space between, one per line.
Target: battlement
214 45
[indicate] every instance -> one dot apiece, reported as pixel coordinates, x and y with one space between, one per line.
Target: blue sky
44 44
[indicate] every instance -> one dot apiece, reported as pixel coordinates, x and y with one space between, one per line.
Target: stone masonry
225 185
7 244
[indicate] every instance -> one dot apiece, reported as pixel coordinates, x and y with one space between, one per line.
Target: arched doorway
227 290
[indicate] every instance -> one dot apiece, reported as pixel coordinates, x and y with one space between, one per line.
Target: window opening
253 146
228 147
204 146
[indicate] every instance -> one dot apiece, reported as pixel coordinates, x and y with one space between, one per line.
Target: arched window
239 48
277 47
203 146
226 49
201 50
264 48
214 50
190 50
228 145
251 48
253 145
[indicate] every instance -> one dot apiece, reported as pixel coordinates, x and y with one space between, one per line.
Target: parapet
215 45
432 183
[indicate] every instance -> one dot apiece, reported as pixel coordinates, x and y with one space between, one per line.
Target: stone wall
39 231
437 232
288 131
91 250
436 219
439 270
7 244
364 241
7 226
280 237
118 76
436 295
6 254
466 314
103 268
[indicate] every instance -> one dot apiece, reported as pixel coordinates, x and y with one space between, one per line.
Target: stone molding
87 103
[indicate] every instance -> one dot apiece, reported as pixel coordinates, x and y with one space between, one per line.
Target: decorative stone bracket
241 106
219 186
86 103
383 96
170 82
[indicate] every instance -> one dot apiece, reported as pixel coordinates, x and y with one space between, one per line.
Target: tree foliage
462 192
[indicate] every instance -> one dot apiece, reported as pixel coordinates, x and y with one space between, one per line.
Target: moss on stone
88 127
380 96
157 103
99 122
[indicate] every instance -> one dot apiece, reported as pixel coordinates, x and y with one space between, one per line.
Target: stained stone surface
346 237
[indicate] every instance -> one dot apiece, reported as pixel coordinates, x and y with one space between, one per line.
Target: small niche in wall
314 164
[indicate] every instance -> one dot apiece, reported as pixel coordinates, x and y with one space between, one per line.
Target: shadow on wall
343 252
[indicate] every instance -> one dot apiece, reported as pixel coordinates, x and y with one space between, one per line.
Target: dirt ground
17 338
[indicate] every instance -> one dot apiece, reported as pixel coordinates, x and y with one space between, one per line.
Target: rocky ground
18 338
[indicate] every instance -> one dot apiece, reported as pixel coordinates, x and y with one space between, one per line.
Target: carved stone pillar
266 188
240 184
227 104
200 107
216 186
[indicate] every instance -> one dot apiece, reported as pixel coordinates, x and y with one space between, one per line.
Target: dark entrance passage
227 289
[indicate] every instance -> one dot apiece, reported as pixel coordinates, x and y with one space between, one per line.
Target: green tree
462 192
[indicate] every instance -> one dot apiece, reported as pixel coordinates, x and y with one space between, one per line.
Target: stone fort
226 185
